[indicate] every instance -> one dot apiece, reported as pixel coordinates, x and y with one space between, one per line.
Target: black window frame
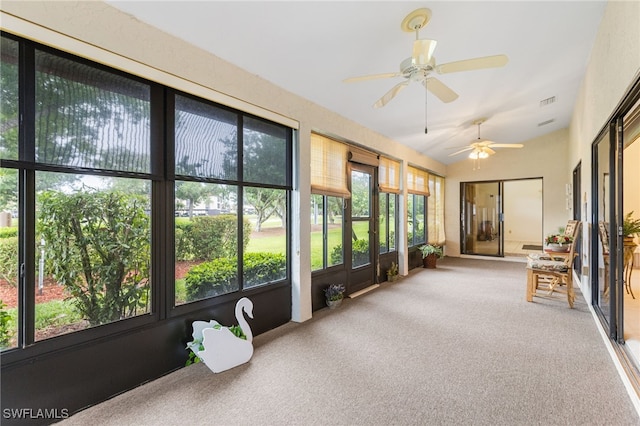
162 177
386 238
415 243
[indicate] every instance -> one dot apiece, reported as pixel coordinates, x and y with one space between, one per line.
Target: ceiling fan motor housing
416 72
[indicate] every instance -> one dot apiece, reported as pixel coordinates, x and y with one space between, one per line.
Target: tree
193 193
264 161
266 202
83 117
98 247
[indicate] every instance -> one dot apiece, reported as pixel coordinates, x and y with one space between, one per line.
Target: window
435 211
326 231
230 215
9 214
206 140
93 239
389 185
329 189
97 167
387 222
416 214
417 186
87 133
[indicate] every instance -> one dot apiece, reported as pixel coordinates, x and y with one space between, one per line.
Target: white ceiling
308 48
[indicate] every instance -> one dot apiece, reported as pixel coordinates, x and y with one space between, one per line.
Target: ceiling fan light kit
483 148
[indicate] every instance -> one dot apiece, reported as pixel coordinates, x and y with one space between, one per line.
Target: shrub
9 260
9 232
216 236
5 328
208 279
260 268
360 253
98 248
184 244
220 276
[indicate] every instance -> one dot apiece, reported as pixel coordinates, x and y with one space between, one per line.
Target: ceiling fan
483 148
422 64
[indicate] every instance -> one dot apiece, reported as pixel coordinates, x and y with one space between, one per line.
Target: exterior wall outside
544 157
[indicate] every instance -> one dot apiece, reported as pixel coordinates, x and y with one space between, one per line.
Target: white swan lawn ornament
223 349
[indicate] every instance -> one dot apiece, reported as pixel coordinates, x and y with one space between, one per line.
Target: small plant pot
559 248
429 261
392 278
332 304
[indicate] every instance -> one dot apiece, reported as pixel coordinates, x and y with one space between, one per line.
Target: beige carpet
454 345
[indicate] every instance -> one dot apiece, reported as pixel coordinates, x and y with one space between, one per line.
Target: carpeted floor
453 345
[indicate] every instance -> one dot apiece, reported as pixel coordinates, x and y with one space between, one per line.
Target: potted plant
558 242
430 254
334 294
630 227
392 272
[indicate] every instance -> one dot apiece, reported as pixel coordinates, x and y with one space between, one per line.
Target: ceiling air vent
547 101
544 123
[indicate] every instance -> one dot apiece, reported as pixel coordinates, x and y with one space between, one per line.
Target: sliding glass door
501 218
482 218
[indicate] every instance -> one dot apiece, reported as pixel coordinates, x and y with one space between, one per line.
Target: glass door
482 218
601 263
362 227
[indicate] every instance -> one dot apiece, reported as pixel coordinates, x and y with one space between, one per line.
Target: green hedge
219 276
212 237
184 241
5 328
9 232
360 253
9 259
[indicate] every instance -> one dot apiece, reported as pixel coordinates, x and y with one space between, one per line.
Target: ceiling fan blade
423 51
372 77
391 94
441 90
469 148
506 145
473 64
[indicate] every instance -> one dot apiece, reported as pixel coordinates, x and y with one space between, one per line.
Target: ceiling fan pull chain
425 112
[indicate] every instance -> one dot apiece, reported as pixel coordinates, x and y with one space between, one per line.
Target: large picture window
9 207
231 215
85 168
86 199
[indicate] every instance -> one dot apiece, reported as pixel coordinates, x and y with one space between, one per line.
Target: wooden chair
603 232
552 272
570 229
